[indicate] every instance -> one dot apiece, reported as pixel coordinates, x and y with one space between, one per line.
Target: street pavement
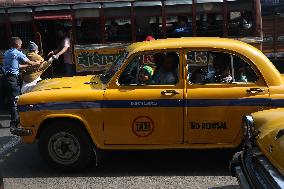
22 168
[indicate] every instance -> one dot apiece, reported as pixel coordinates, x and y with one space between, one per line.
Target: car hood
64 90
269 124
76 82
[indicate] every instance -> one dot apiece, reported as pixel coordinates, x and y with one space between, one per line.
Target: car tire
65 146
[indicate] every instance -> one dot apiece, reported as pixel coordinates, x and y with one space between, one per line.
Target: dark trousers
13 92
69 70
3 104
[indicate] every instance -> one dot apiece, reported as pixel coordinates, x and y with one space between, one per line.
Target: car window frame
115 84
260 82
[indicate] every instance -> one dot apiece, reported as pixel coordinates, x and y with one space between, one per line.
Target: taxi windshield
105 77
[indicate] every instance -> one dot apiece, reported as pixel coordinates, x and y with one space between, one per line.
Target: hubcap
64 148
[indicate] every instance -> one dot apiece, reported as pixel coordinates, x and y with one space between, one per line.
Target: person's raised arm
64 49
21 66
51 53
33 63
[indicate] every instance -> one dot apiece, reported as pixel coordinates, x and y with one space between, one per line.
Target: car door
144 113
214 109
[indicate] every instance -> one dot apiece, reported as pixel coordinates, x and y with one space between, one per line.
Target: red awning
12 3
53 17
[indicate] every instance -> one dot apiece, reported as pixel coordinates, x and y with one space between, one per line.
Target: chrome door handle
255 90
170 92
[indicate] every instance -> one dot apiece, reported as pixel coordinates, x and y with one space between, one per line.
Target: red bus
100 29
273 31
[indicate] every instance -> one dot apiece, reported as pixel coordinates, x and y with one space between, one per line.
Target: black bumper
253 170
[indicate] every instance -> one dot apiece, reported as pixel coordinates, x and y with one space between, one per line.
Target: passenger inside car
151 69
198 76
206 67
145 75
221 64
167 74
158 59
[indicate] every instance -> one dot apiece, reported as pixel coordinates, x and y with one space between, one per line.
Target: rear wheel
66 146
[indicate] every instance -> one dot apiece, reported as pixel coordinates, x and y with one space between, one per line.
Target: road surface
22 168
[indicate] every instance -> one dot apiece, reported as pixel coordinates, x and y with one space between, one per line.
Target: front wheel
66 146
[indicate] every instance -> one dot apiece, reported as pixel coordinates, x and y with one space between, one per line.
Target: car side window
206 67
152 69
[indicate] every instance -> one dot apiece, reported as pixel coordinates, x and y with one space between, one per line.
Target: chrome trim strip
52 8
209 1
20 10
87 6
116 5
178 2
147 3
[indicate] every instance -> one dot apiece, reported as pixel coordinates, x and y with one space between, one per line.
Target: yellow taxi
184 93
261 163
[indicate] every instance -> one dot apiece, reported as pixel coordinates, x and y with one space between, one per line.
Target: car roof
188 42
200 43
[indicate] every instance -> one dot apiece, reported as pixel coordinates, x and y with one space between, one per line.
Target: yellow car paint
140 117
268 123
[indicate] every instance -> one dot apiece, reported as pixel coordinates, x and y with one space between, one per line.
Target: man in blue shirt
14 60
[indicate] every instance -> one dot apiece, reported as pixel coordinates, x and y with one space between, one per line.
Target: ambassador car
184 93
261 163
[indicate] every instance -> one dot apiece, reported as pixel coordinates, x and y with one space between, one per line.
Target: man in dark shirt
65 50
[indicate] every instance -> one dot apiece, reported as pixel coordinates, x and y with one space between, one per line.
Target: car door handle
170 92
255 90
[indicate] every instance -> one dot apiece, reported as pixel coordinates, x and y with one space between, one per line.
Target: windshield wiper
91 83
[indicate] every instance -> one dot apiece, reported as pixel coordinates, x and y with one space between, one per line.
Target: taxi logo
143 126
